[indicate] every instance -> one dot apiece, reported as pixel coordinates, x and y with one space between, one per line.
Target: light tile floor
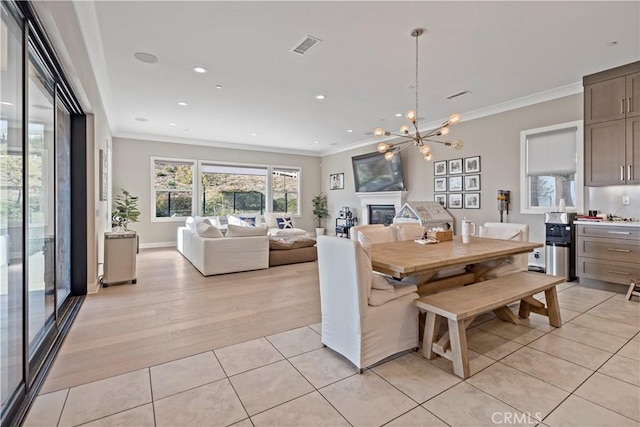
583 374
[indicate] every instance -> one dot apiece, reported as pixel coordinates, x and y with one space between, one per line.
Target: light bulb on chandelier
419 140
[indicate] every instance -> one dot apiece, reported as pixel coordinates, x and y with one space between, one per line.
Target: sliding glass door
11 208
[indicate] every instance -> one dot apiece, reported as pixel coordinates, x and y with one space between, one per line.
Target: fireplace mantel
395 198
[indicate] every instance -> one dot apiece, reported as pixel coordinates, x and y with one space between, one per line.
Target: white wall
495 138
131 165
62 26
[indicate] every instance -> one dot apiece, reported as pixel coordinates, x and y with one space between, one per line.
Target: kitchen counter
609 223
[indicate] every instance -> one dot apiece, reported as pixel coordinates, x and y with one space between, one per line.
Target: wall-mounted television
372 172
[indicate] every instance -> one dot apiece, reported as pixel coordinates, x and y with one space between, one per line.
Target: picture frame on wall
336 181
455 167
472 164
442 199
472 182
455 183
440 168
439 185
455 201
472 200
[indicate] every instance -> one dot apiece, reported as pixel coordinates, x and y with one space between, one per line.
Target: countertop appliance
560 244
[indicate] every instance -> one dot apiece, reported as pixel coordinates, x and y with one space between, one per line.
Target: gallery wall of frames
42 208
456 183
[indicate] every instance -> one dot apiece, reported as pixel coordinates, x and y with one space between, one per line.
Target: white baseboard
93 288
157 245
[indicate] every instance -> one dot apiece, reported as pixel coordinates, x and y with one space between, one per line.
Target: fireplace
381 214
393 199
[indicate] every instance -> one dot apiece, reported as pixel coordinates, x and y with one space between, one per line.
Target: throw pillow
283 223
240 231
189 222
207 230
248 221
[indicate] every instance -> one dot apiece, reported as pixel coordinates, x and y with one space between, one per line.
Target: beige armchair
364 325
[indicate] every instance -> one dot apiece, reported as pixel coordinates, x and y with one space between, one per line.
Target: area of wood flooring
173 312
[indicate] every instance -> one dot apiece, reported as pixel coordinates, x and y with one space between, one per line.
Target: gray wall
131 166
495 138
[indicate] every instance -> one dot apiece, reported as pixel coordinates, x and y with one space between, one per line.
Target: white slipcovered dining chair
364 325
505 231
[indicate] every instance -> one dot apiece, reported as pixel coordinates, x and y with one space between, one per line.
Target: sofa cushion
381 283
205 229
284 222
294 242
213 220
286 232
245 220
240 231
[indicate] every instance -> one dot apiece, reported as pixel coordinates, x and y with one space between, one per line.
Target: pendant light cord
417 35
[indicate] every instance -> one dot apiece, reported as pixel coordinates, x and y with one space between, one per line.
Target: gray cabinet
608 253
612 126
119 258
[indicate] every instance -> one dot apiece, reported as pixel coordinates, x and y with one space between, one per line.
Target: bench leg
431 330
459 354
553 307
504 313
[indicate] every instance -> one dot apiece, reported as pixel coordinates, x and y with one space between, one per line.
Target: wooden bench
461 305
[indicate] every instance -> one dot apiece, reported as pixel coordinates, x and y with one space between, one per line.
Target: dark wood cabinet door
633 95
604 153
605 101
633 150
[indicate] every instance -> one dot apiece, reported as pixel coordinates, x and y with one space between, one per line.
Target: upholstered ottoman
291 250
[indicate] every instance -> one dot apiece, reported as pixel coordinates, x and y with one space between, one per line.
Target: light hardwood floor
173 312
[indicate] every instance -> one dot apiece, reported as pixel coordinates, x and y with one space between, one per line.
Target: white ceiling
500 51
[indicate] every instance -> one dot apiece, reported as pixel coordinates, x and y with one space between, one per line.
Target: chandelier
417 139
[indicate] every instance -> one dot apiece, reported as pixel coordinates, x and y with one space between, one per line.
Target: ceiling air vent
455 95
306 45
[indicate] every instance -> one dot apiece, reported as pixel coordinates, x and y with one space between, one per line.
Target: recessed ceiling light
200 70
182 104
399 114
334 143
320 97
316 142
349 130
5 103
141 119
612 43
146 57
254 134
218 86
186 130
172 124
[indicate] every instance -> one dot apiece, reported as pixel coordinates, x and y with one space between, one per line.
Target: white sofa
225 254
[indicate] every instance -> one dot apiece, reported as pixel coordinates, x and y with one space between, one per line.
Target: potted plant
320 211
125 212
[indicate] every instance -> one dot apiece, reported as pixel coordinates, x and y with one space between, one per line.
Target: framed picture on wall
472 182
442 199
455 183
455 201
472 164
336 181
440 168
455 167
472 200
439 185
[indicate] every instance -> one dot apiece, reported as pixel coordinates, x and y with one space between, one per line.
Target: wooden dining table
407 258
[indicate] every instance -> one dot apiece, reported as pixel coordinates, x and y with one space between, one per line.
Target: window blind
551 153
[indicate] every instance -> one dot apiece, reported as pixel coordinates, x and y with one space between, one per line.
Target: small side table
343 225
634 288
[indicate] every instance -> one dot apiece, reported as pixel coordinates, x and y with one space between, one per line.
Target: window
172 189
285 190
551 168
230 189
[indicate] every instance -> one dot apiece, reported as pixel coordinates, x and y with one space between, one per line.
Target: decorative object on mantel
320 211
336 181
391 149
